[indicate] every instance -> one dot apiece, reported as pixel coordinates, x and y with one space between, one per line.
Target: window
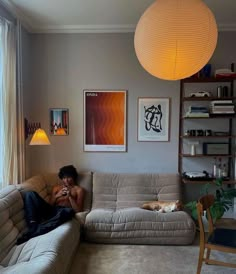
8 106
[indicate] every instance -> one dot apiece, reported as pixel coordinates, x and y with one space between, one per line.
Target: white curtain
8 106
20 112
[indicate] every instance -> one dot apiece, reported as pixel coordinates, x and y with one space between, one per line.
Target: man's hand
63 192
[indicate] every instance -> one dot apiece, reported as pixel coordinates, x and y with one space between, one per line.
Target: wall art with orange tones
105 120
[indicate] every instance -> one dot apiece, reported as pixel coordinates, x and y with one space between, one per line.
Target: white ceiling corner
98 16
17 13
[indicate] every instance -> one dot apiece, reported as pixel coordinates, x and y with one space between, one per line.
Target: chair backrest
203 209
207 201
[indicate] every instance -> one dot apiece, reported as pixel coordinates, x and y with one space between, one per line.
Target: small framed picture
153 119
59 121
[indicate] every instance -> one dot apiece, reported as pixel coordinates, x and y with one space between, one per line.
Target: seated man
66 199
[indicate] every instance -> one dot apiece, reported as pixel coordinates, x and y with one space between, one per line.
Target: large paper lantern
174 39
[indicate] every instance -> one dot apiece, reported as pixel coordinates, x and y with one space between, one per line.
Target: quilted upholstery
12 218
118 191
50 253
46 254
116 216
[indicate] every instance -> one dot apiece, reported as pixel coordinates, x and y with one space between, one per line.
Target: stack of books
197 111
222 107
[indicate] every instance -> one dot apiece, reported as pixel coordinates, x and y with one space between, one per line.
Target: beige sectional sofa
50 253
112 214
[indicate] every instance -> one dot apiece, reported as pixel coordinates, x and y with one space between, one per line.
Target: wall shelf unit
220 122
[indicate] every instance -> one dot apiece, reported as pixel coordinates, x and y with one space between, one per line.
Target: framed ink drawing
105 120
59 121
153 119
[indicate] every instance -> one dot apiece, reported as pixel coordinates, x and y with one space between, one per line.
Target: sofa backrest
44 183
11 218
116 191
39 184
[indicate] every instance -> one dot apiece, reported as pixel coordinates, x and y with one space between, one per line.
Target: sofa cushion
36 183
139 226
46 254
11 220
116 191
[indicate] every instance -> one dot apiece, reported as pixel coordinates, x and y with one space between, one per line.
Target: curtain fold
8 104
20 107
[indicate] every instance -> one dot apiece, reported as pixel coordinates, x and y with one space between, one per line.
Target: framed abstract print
105 120
153 119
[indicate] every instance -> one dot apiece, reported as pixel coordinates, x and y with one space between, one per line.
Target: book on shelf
223 104
198 111
221 108
223 112
222 101
196 114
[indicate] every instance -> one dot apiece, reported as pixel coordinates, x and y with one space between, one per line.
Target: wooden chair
220 239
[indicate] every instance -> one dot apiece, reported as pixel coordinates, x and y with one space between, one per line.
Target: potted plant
223 200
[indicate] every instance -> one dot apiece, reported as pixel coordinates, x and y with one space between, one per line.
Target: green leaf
223 200
191 205
218 182
194 214
205 189
217 211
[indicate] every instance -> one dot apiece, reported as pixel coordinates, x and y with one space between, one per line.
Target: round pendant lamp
174 39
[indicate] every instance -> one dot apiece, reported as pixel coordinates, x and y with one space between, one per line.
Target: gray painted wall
63 65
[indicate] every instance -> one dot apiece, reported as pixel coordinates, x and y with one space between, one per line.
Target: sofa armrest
81 216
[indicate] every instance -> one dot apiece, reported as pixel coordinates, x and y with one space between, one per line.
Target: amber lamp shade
39 138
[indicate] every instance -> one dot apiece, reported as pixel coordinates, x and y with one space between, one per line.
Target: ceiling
61 16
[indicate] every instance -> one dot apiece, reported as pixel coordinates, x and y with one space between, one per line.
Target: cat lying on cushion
163 206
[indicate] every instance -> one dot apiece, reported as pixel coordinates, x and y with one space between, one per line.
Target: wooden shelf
205 156
208 137
196 182
207 80
212 116
208 98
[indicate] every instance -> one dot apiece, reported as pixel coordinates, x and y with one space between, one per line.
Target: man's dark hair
68 171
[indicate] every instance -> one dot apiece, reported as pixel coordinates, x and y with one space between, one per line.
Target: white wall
63 65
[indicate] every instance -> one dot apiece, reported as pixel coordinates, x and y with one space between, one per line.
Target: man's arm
77 199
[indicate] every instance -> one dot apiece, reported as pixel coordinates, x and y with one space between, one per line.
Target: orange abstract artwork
104 120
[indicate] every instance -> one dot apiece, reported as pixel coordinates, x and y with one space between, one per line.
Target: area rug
140 259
